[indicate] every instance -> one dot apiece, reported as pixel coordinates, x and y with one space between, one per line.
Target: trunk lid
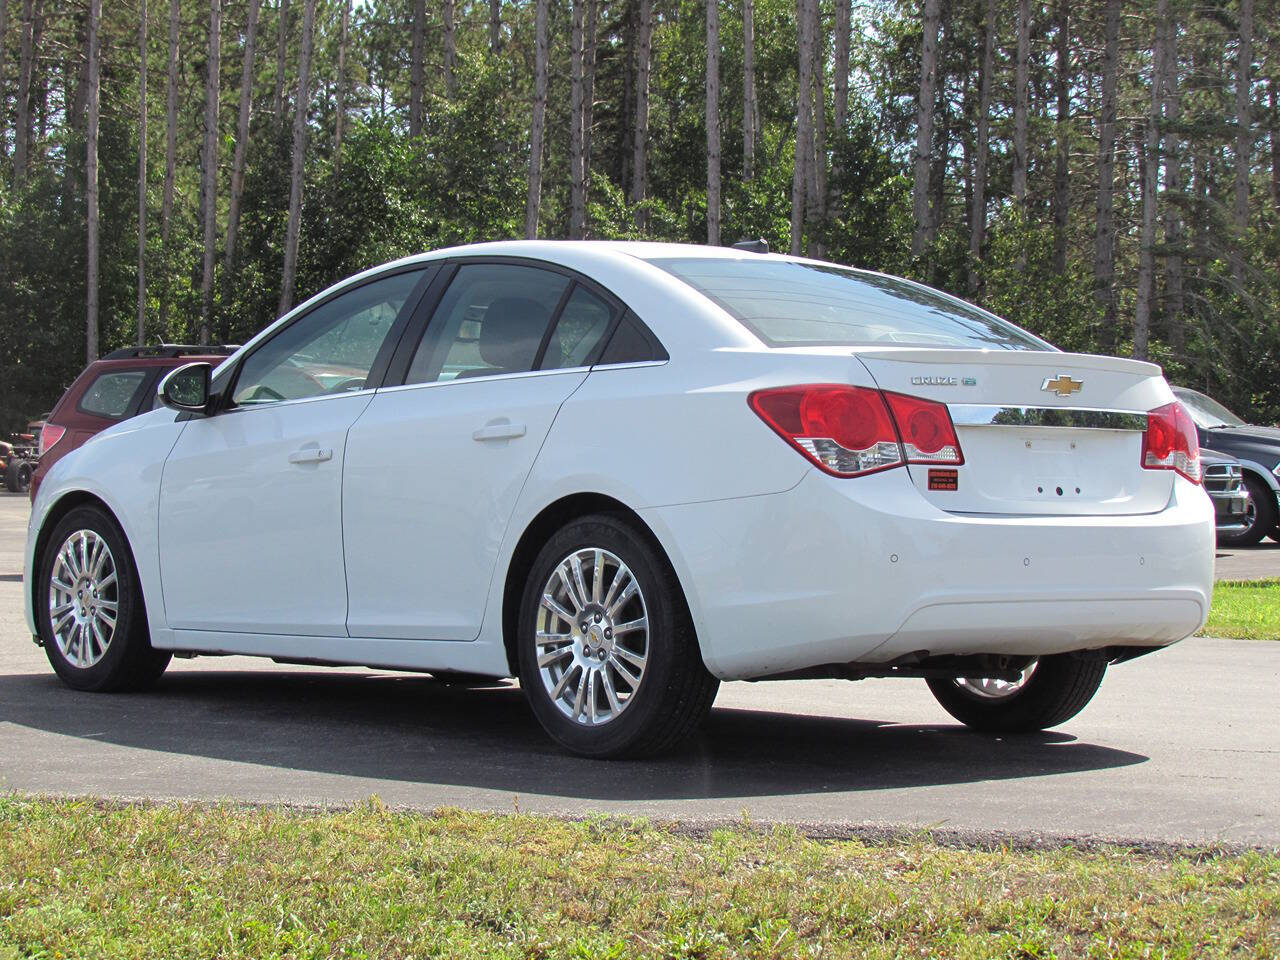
1041 433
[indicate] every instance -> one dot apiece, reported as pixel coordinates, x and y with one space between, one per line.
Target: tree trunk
170 157
1244 138
924 127
748 90
978 208
817 183
589 91
713 122
282 60
26 59
91 187
1173 232
537 127
298 166
640 143
1020 84
577 162
1104 263
450 51
1061 170
495 25
1275 147
801 171
209 167
841 112
416 68
242 143
142 172
1149 184
341 106
4 90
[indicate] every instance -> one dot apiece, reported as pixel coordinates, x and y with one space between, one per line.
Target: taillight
847 431
928 435
1170 442
50 434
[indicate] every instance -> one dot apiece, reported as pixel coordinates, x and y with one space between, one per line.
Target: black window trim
424 317
377 373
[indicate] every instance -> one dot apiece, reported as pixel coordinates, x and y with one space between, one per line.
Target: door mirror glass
187 388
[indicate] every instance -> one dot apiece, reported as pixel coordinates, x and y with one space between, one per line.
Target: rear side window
786 304
112 394
577 335
491 321
632 343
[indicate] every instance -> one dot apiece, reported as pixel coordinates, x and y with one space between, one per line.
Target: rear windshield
1205 411
790 304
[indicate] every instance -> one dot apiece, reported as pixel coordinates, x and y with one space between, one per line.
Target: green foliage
385 194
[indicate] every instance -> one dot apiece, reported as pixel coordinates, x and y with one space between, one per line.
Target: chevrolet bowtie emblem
1062 385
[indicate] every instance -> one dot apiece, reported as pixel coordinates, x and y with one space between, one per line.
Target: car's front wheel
1049 691
89 607
608 657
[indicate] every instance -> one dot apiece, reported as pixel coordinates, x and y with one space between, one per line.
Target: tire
1056 690
18 477
675 690
1262 515
126 661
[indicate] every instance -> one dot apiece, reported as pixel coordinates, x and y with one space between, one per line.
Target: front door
250 524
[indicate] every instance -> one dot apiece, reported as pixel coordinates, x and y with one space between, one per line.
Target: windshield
786 304
1205 411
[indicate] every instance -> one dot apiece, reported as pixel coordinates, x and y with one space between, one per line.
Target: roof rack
173 350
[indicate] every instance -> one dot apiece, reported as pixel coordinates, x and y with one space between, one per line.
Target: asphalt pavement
1179 747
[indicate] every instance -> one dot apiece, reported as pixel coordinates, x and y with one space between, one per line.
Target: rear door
1041 433
434 465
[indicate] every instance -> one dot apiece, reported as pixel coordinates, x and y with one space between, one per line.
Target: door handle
499 430
310 455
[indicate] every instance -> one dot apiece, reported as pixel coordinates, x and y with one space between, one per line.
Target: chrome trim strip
1086 418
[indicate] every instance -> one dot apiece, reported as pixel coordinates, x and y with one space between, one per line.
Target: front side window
111 394
491 321
791 304
328 351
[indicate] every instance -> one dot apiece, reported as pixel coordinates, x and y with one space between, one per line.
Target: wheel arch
551 518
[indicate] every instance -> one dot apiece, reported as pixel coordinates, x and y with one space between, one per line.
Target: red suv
119 386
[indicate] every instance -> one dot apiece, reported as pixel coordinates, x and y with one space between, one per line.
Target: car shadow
416 729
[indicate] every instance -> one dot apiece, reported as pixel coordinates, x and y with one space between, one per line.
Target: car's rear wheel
1260 517
607 653
1049 691
89 608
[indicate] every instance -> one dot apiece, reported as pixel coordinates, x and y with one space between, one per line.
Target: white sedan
624 472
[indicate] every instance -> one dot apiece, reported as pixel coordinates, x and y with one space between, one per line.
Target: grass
81 879
1245 609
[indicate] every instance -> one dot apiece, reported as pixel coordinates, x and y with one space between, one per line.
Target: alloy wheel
84 598
592 636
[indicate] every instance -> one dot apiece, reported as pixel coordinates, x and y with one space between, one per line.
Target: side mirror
186 389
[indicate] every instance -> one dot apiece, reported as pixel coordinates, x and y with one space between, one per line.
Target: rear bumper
866 570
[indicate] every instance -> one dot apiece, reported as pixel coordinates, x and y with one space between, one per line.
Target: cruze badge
943 381
1062 385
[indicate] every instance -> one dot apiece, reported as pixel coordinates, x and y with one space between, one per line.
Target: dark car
1223 479
1257 449
119 386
